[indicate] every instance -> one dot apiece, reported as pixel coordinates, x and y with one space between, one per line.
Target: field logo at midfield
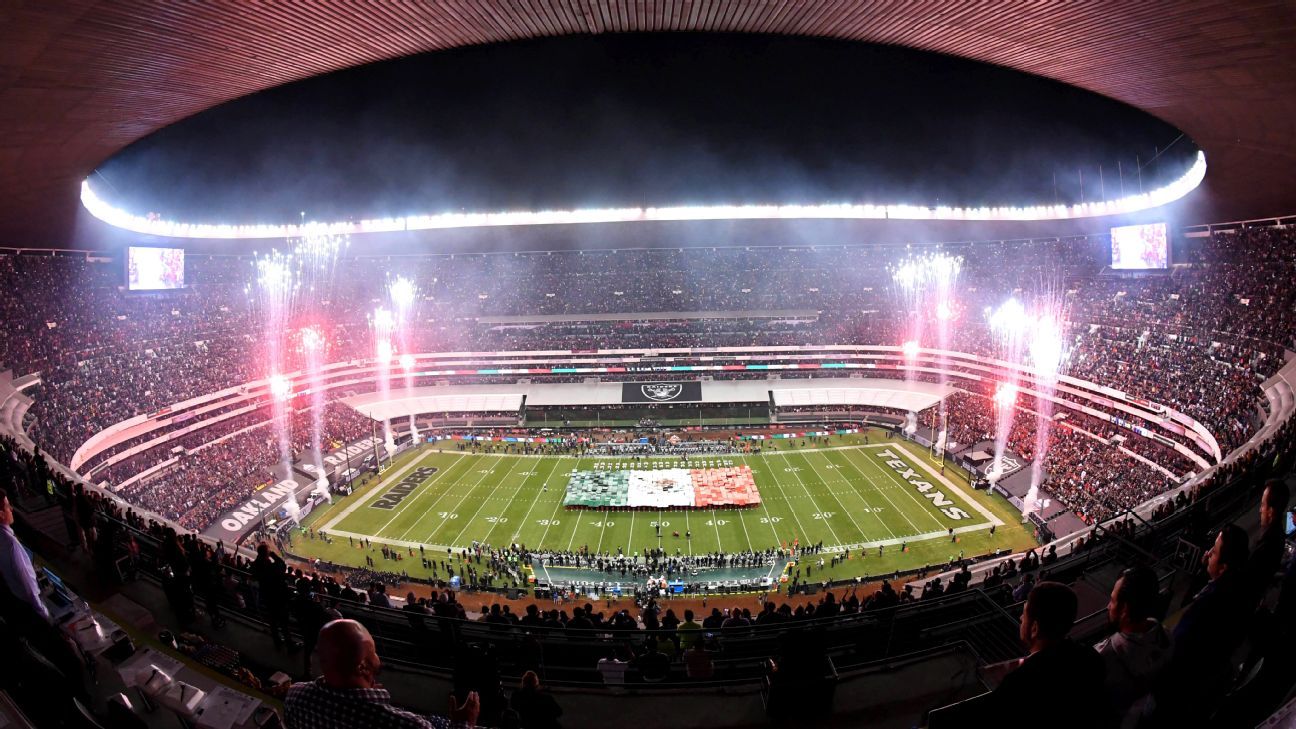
403 488
661 392
926 489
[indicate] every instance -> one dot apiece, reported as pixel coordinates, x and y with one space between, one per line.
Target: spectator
1207 634
535 707
1060 684
697 663
1267 556
16 567
653 665
271 575
347 696
613 668
1139 650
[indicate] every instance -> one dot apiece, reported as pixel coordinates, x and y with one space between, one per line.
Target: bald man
348 695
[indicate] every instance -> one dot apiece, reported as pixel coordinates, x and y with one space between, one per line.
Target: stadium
821 365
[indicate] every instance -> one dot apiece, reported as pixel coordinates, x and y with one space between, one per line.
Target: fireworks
1005 395
407 362
280 387
910 349
403 292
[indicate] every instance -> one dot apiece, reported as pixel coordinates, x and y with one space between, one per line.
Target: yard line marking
441 472
815 504
879 489
543 485
863 534
688 531
455 508
882 491
382 485
926 507
469 521
601 533
435 500
791 506
719 545
557 506
750 548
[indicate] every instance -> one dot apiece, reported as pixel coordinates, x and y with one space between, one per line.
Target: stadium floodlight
910 349
152 225
280 387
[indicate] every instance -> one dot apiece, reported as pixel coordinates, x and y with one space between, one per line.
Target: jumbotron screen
1140 247
153 269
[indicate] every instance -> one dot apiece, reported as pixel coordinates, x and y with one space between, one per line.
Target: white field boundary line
976 505
382 487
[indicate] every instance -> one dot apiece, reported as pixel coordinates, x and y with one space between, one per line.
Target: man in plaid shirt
348 695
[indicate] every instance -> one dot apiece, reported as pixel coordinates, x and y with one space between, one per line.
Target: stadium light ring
151 225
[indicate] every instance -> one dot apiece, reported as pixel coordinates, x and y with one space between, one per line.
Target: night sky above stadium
640 120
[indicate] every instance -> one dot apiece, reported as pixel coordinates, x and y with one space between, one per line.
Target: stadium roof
81 80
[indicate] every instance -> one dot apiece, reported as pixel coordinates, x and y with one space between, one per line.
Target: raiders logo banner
661 392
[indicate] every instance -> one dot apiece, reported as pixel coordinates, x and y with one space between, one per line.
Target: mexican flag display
662 488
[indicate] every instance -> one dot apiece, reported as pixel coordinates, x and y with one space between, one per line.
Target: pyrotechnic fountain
277 286
927 286
403 294
1047 353
1010 325
381 322
316 253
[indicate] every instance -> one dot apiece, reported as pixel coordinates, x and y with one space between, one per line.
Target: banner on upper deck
661 392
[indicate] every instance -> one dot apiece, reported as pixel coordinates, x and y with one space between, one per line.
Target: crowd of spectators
1199 340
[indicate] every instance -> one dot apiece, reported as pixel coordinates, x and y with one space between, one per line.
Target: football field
883 496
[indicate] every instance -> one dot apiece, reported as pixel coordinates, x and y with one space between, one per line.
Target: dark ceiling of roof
80 80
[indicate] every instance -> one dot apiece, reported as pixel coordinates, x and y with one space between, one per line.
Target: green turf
840 494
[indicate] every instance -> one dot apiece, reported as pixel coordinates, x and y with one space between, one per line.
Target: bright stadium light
910 349
152 225
280 387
